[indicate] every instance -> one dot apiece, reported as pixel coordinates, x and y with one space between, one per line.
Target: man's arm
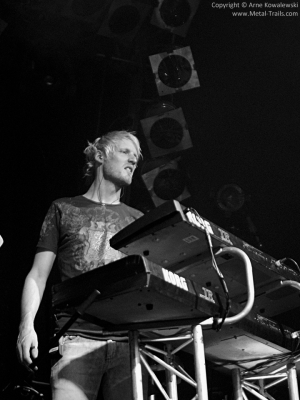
35 282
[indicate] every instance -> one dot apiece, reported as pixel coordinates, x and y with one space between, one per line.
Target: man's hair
105 145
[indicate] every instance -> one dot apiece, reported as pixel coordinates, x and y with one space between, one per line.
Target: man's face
120 165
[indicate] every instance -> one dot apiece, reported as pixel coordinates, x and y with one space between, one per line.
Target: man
77 231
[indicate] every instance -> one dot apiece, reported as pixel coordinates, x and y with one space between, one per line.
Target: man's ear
99 157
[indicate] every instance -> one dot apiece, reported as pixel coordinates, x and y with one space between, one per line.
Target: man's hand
27 344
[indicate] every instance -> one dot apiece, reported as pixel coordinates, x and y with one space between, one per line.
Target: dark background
62 84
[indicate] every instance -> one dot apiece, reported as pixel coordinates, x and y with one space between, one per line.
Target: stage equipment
230 198
134 294
154 304
49 76
137 292
166 133
176 238
124 19
174 71
174 15
233 202
166 181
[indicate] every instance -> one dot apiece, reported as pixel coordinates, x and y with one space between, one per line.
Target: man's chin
125 182
128 183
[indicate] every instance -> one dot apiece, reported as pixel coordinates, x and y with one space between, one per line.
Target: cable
293 261
222 281
217 327
278 263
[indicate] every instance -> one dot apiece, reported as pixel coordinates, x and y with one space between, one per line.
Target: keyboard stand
243 383
138 354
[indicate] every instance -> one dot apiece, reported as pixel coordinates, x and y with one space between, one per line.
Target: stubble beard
121 180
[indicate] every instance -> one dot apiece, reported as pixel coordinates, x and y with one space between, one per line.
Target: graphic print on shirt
82 235
97 250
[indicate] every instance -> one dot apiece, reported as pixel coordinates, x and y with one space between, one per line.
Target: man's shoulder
132 211
69 200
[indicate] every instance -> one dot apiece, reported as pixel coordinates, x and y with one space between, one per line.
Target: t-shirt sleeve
49 234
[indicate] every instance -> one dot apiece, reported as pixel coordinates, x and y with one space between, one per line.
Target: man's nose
132 160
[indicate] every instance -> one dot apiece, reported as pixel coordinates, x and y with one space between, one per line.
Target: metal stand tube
236 383
200 369
172 385
136 368
292 381
171 378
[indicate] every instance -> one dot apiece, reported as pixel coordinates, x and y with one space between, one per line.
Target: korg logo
175 279
200 222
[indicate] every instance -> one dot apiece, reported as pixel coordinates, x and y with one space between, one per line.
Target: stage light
174 71
233 201
123 20
166 133
174 15
166 181
230 198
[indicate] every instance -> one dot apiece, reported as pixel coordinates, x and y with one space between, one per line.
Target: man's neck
105 193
